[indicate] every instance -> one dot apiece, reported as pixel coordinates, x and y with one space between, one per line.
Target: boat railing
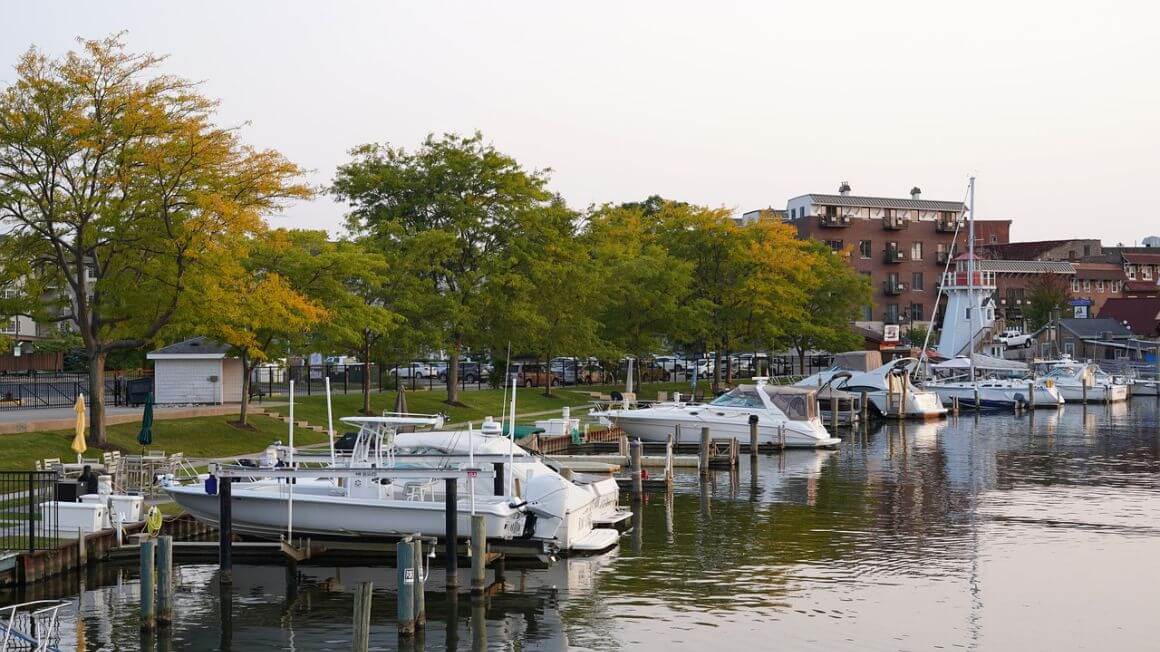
30 625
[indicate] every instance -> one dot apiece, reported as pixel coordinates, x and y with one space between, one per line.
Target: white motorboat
1071 377
543 510
887 386
786 416
1145 387
952 381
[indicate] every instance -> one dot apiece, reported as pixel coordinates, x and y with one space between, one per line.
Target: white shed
198 370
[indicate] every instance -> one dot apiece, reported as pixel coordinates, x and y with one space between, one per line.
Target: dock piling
148 585
451 534
955 405
478 554
164 579
225 531
834 402
637 478
865 406
1031 394
753 436
420 609
362 616
704 452
405 578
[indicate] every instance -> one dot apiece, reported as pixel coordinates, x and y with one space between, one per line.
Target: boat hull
658 428
992 397
1095 393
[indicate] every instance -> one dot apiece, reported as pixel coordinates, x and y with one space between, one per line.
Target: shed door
187 381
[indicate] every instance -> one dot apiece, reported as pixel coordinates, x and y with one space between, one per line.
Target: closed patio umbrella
145 437
79 445
401 407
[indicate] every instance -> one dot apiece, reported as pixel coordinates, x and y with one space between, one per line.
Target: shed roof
1100 328
194 347
1025 266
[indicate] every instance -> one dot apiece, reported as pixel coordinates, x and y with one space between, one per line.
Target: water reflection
980 531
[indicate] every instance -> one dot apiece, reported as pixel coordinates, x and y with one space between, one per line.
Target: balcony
894 222
942 257
893 318
893 288
834 221
894 255
946 226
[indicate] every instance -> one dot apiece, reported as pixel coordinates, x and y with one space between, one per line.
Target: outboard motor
547 498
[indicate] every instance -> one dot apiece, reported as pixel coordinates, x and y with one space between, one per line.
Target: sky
1055 106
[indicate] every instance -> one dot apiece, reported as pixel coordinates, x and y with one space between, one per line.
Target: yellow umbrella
78 444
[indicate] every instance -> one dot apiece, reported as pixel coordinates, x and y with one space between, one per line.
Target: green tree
1047 294
118 192
460 204
835 298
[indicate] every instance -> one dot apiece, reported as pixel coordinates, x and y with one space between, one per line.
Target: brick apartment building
903 245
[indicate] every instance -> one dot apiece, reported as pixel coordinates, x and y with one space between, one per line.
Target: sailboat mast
971 276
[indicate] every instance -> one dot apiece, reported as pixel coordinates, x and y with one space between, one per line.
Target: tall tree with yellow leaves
120 194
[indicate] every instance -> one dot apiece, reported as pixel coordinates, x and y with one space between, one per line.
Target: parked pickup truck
1013 339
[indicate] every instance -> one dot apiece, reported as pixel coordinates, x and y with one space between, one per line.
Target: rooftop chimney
844 189
915 192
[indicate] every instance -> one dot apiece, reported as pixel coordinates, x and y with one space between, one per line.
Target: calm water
998 532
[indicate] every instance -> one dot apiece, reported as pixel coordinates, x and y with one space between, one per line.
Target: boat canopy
982 363
858 360
798 403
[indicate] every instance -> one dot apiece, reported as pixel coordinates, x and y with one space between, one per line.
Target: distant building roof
1099 328
885 202
1142 259
1099 271
194 347
1025 266
1028 250
1149 287
1142 314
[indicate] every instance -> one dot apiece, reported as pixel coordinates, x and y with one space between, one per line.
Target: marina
967 523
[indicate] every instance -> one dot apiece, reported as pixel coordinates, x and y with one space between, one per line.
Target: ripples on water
997 532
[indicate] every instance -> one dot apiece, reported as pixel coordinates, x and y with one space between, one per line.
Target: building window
835 245
1146 272
916 312
892 312
1100 287
916 282
9 326
867 313
994 238
865 249
1075 285
916 251
1069 348
1131 272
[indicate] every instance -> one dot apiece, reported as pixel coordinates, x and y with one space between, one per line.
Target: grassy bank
479 403
197 437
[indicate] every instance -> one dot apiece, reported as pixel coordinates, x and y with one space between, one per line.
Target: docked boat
987 390
786 416
538 509
1071 377
887 386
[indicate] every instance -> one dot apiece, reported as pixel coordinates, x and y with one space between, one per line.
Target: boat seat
420 490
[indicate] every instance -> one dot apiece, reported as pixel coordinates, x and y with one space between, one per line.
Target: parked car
469 372
534 374
566 368
415 370
669 363
1013 339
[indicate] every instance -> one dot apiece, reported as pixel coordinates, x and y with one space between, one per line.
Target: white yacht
786 416
1070 376
953 380
886 385
542 510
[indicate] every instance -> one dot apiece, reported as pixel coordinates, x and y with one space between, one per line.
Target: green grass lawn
480 403
198 437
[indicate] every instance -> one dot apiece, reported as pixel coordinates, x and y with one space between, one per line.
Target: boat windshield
795 406
1065 372
739 397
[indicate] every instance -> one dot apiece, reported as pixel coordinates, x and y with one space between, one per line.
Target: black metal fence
28 514
432 374
30 390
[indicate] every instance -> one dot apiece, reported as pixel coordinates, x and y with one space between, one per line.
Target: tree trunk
802 358
548 380
717 371
453 372
728 367
97 435
366 376
243 413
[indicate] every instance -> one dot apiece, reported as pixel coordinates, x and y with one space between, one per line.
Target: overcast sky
1054 105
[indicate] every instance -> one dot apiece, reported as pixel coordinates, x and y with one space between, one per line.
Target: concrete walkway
17 421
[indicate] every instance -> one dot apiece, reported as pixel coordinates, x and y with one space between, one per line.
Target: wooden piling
853 412
165 580
148 585
753 418
637 478
834 402
902 404
1084 384
362 616
704 452
669 446
865 406
420 591
677 434
1031 394
978 406
405 578
451 530
478 623
225 531
478 554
